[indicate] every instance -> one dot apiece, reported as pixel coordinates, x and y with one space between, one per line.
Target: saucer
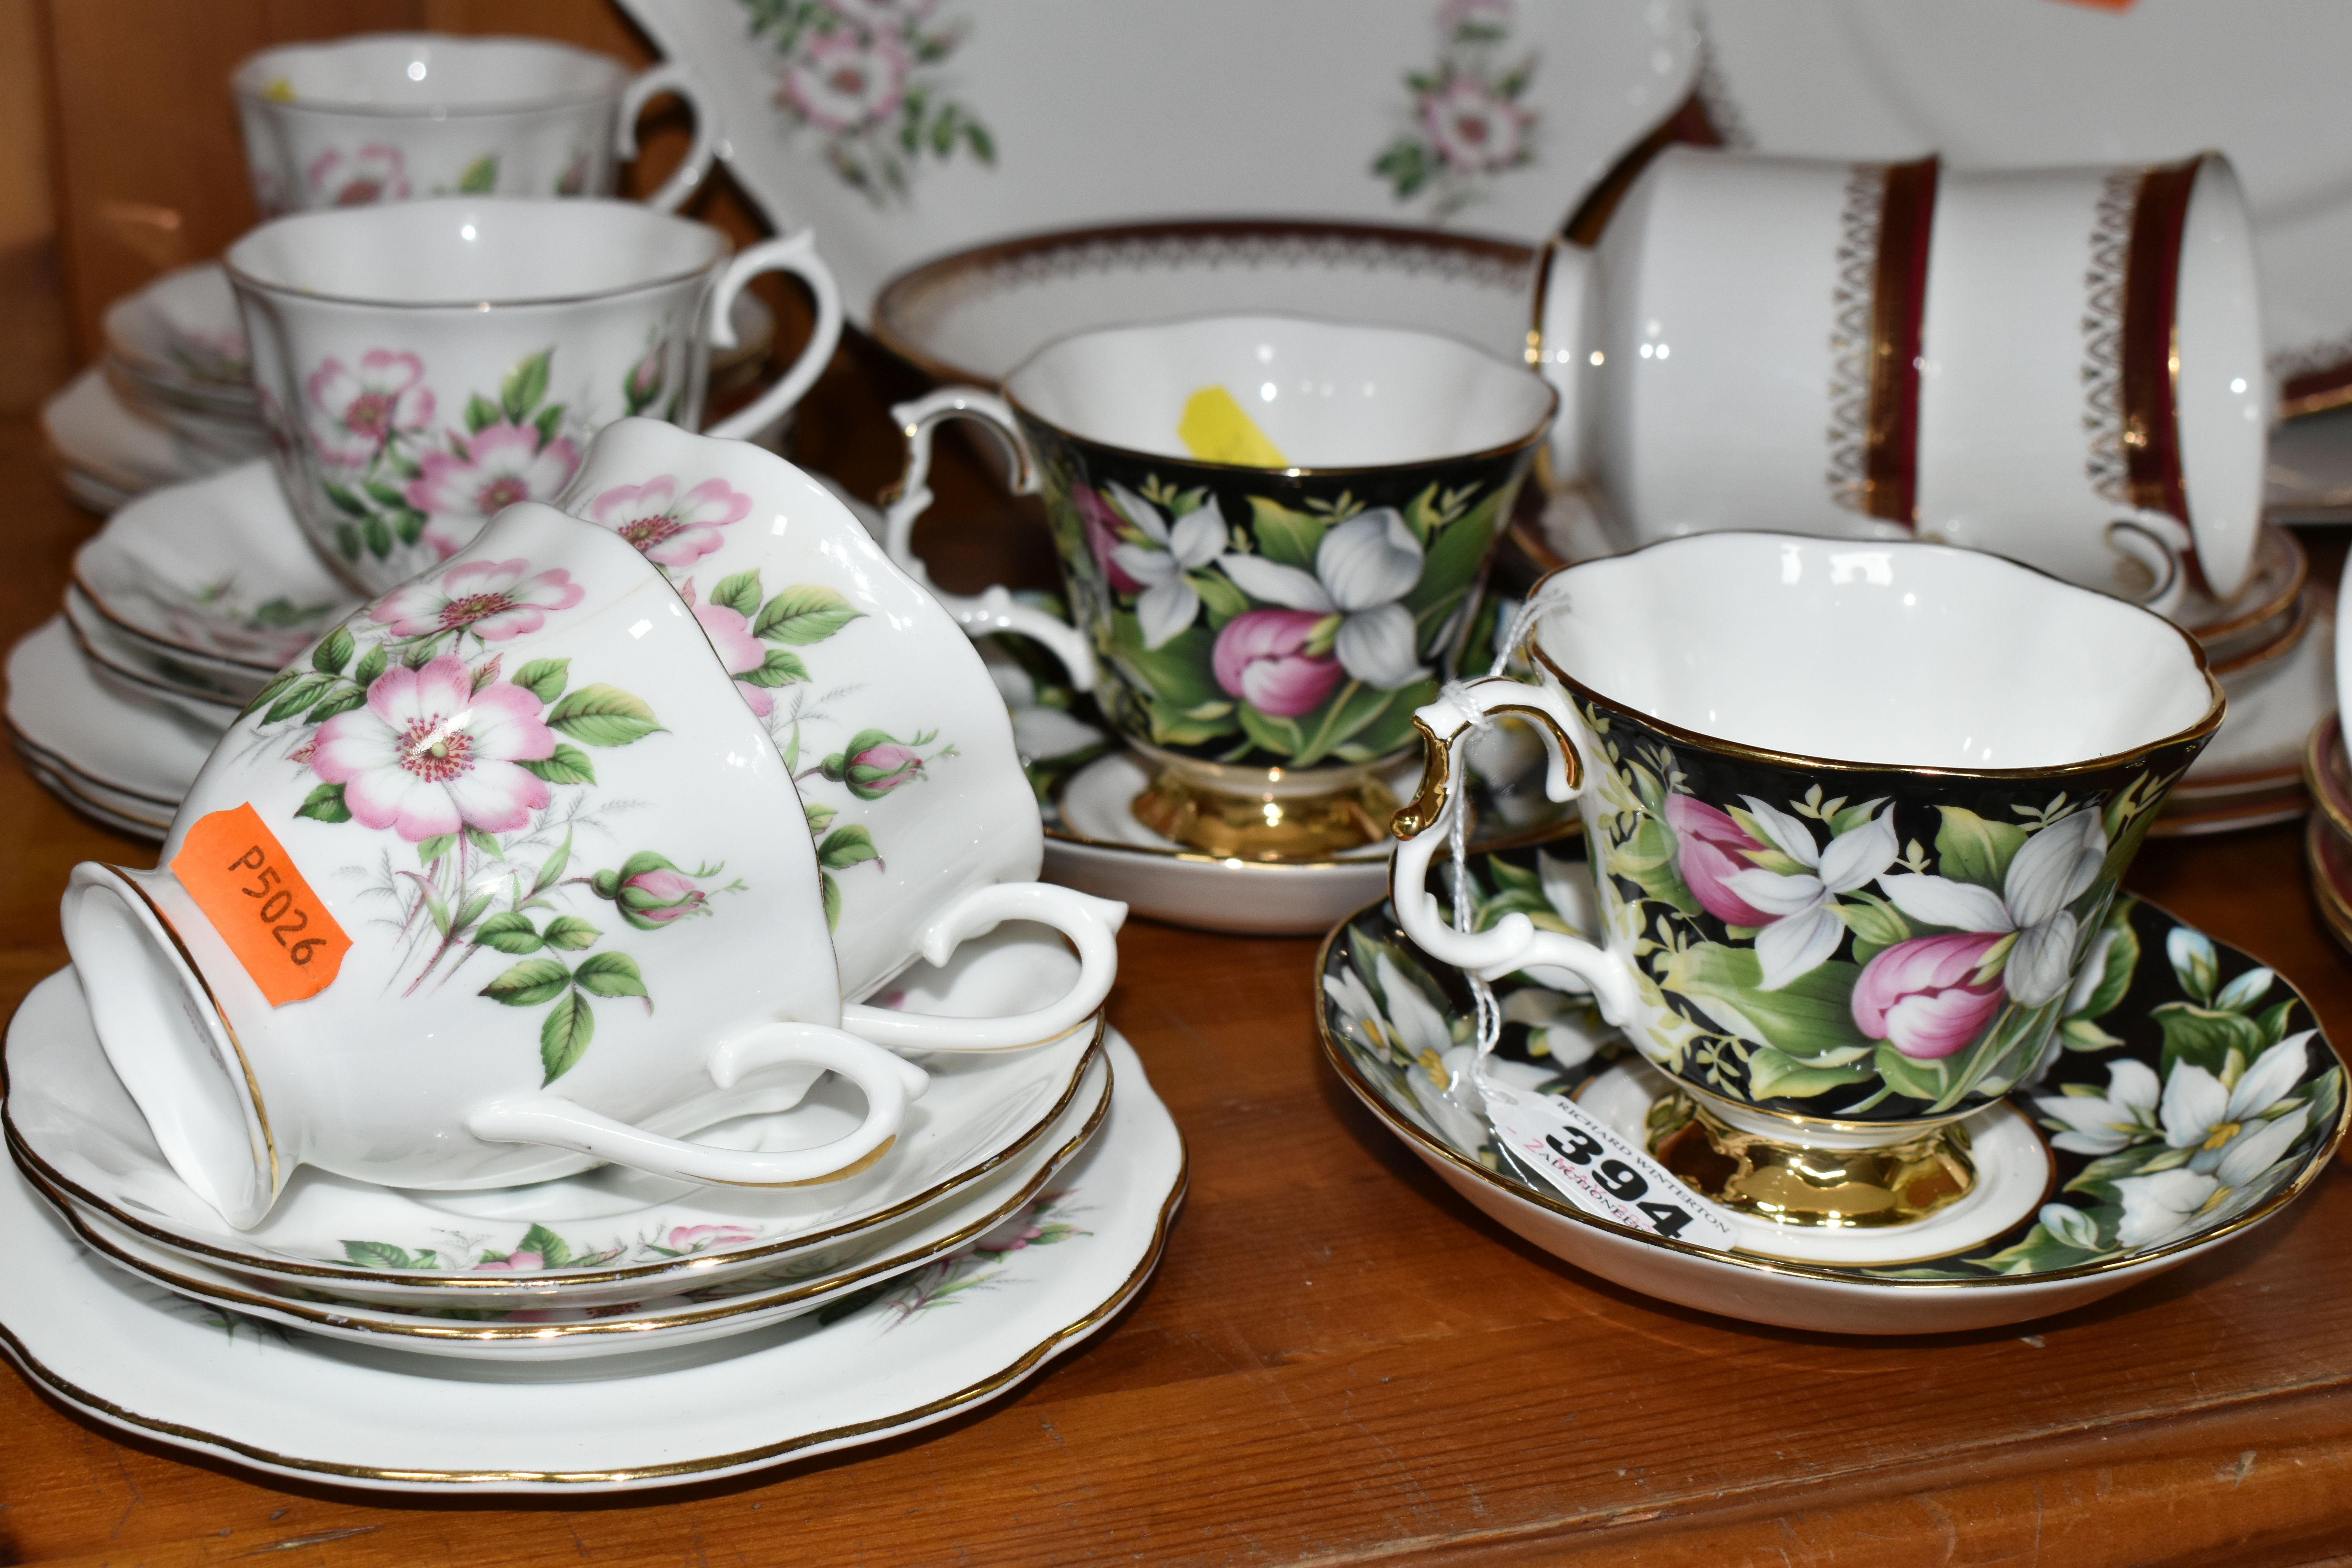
2123 1206
137 674
143 1360
183 331
57 708
89 428
108 808
803 1283
624 1236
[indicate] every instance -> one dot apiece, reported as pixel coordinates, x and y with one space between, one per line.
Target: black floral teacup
1857 814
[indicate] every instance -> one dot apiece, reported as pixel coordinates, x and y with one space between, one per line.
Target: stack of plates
1007 1159
179 612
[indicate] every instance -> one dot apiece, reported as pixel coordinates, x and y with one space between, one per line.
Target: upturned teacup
392 117
883 711
502 879
1857 813
423 366
1271 531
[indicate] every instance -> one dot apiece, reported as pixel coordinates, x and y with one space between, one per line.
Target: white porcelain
92 493
139 1359
423 365
215 574
2274 704
608 1235
120 663
459 826
132 818
181 335
142 748
385 117
1720 357
815 105
884 715
89 428
699 1311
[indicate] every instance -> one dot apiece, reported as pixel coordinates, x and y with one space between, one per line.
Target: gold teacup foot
1791 1184
1273 823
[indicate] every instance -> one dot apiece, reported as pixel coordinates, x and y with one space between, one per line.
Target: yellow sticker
247 886
278 90
1216 430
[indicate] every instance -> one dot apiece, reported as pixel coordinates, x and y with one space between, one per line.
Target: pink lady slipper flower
495 600
1709 851
377 172
1803 928
670 528
848 80
1261 656
1102 526
1156 563
428 754
357 412
1362 568
1930 995
497 466
2053 868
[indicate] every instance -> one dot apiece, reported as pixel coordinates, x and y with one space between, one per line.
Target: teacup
423 366
1265 618
502 880
388 116
882 709
1858 813
1871 350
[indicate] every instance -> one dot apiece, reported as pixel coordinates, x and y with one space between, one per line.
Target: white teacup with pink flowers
578 891
422 366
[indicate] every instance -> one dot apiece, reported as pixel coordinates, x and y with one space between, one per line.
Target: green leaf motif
804 613
569 766
819 816
1177 672
1223 600
325 803
571 933
510 931
544 678
846 846
831 892
611 974
563 1038
603 715
431 849
2122 960
740 594
1969 849
480 414
481 175
1775 1075
780 668
371 664
485 843
383 1254
329 656
525 385
343 701
530 982
297 697
1284 537
2205 1037
555 863
1810 1018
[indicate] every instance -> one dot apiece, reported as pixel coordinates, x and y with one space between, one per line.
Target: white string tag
1599 1171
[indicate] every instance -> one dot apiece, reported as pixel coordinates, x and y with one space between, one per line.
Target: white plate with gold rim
140 1359
806 1282
142 748
623 1234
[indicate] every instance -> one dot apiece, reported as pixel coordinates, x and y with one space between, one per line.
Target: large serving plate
900 133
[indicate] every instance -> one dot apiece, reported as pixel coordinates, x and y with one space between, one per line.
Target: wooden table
1342 1362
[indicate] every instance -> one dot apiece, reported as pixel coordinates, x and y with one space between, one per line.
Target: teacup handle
2157 540
1091 925
888 1082
642 88
795 254
1513 942
992 609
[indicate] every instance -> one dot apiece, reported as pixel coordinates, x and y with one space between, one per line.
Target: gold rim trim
2202 728
1427 806
162 689
2298 575
2321 752
1336 1055
970 1393
47 1173
252 1088
2298 624
309 1313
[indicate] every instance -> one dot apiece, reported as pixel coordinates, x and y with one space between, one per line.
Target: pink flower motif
359 411
1260 656
662 895
494 599
428 754
701 1237
1709 851
374 174
847 80
513 1262
1926 997
501 465
1103 536
738 651
672 530
1473 129
1011 1236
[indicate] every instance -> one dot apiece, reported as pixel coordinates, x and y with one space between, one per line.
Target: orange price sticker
247 886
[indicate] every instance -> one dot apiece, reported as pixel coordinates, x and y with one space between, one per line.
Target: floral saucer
804 1282
132 673
91 430
2192 1099
604 1236
139 1359
134 749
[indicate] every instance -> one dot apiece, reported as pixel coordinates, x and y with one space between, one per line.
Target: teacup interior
1909 655
397 73
474 250
1326 395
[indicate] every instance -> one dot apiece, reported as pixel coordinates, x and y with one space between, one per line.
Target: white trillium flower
1362 569
1168 603
1805 928
2050 870
2071 1226
2235 1147
1555 1022
2101 1124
